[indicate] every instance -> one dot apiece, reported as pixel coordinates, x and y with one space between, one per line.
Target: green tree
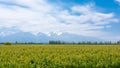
8 43
118 42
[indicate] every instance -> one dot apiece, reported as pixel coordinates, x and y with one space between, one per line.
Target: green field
59 56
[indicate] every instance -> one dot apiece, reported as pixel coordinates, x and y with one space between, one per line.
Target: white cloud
90 15
118 1
41 16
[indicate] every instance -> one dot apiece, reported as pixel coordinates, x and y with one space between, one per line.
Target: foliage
85 42
8 43
60 56
118 42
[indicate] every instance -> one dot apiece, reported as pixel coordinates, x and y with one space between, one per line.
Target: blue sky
94 18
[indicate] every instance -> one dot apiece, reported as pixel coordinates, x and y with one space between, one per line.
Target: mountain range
44 38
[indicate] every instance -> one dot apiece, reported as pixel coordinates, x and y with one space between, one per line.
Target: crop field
59 56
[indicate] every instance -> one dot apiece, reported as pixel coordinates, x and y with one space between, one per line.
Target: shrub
8 43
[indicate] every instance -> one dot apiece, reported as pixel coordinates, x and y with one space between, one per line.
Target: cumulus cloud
41 16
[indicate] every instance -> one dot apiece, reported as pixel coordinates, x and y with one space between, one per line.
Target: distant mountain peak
44 38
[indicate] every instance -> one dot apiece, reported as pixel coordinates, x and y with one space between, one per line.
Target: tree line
63 42
84 42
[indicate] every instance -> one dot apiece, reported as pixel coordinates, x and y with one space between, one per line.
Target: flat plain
59 56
